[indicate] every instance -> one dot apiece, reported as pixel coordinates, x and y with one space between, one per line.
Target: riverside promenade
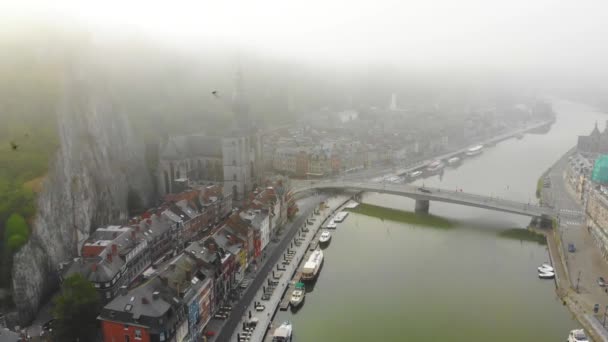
279 278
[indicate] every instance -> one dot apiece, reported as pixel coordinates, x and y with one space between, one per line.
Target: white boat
415 174
297 296
546 275
340 216
283 333
313 265
331 225
352 205
577 335
453 161
435 166
475 150
325 237
545 268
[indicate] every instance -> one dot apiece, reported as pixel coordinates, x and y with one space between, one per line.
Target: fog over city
435 170
520 37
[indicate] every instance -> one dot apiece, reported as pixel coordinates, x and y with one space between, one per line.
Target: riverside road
307 206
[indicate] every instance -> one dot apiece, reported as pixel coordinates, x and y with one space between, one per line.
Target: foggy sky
521 36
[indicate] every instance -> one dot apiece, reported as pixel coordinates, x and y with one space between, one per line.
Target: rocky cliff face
99 161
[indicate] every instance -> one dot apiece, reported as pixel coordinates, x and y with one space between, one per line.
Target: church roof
190 146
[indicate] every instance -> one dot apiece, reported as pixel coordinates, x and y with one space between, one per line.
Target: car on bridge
424 190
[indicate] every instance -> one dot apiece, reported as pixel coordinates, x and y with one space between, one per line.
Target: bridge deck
438 194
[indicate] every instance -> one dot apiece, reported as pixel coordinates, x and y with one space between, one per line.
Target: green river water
471 279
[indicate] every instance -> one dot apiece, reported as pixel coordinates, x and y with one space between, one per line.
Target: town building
153 312
112 257
597 218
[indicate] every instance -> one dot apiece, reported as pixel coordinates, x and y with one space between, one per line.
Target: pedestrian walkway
261 310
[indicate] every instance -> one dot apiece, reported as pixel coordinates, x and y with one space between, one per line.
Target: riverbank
277 280
576 295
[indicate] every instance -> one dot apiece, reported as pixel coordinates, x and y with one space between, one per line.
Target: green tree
76 310
16 232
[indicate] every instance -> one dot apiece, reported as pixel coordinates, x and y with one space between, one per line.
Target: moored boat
577 335
454 161
283 333
475 150
415 174
313 265
331 225
545 268
340 216
297 296
435 166
546 275
325 237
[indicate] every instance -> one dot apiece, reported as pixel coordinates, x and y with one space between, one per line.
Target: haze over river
385 280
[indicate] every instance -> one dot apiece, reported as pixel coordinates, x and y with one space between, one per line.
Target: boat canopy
300 286
282 332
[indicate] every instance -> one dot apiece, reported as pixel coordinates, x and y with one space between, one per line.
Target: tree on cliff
16 232
76 310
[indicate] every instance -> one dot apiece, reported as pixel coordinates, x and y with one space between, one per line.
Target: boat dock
276 292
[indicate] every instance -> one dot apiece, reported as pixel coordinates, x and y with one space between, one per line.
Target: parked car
601 282
424 190
571 248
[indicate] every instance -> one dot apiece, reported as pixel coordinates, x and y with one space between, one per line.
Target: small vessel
325 237
415 174
453 161
475 150
545 268
577 335
313 265
331 225
435 166
297 296
546 275
283 333
340 216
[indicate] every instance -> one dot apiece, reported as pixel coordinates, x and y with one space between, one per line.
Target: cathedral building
234 160
595 143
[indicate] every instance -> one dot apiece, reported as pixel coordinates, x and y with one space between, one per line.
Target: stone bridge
423 196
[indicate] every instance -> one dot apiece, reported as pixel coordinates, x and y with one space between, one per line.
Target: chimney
155 295
109 257
114 249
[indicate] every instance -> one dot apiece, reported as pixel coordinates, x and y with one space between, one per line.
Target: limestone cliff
99 161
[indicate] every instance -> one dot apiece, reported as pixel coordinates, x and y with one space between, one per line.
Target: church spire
240 108
596 130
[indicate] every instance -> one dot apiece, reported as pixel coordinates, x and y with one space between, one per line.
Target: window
161 336
108 295
127 339
97 285
138 334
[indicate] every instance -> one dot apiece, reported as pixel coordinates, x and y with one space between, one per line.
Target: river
475 280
